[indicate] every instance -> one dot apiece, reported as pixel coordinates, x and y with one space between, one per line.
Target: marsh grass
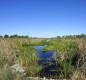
19 50
68 54
27 57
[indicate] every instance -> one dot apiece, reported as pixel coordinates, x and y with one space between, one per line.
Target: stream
47 56
47 60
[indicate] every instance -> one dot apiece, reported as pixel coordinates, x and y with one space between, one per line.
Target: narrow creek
47 60
44 56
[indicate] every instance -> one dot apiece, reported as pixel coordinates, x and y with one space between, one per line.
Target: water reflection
44 56
47 60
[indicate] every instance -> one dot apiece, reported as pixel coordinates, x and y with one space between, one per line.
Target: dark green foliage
6 36
44 42
17 36
1 36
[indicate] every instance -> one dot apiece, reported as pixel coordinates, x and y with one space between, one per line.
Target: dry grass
82 46
12 53
80 73
37 39
9 49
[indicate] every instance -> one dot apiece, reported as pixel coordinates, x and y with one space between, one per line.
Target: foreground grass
7 74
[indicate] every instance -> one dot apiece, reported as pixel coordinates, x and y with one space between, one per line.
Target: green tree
6 36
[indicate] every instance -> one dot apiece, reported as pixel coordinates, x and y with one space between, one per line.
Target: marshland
67 61
42 39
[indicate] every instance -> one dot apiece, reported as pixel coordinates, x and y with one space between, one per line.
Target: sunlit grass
70 54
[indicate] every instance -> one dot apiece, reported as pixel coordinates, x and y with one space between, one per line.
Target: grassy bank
19 51
70 54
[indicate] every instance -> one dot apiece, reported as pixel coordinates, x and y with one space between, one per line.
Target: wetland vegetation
69 60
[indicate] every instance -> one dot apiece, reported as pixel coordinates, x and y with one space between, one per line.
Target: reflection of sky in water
43 55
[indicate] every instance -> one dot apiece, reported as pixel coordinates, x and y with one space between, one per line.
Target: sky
42 18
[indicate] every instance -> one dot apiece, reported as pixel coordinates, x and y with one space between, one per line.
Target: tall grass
17 50
28 58
70 56
69 52
80 72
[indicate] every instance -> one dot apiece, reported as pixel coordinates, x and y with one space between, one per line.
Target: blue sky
42 18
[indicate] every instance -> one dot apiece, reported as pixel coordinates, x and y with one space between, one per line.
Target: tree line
26 36
14 36
73 36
